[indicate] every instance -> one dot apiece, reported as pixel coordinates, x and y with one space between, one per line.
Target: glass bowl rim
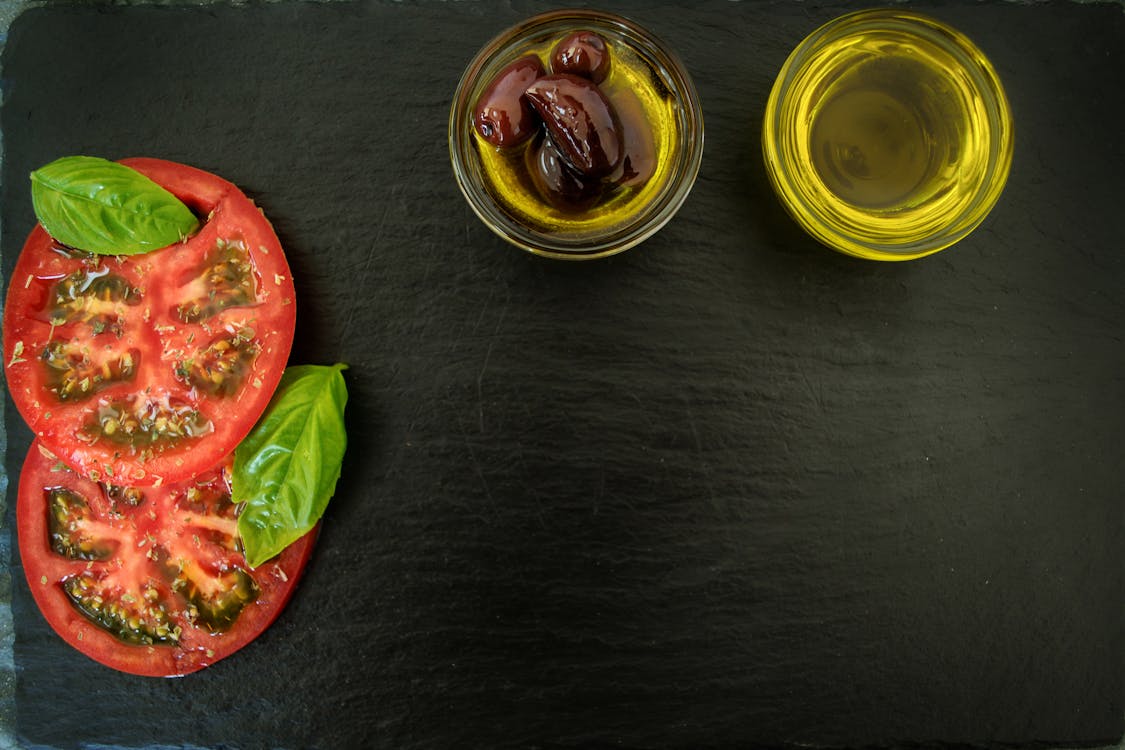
985 79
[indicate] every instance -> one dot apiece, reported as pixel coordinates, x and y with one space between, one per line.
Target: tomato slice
150 368
146 580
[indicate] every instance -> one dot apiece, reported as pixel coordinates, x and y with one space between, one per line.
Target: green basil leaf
104 207
285 470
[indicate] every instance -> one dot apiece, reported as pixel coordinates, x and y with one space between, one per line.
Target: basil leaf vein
285 470
104 207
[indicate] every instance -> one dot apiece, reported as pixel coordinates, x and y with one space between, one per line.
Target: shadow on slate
727 489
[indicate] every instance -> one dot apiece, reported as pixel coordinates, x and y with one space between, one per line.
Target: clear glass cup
649 88
887 135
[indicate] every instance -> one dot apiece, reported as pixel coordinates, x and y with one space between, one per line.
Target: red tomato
147 580
150 368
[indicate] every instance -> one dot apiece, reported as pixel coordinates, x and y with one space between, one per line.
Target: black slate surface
727 489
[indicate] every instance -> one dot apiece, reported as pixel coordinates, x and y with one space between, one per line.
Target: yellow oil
891 131
896 132
632 85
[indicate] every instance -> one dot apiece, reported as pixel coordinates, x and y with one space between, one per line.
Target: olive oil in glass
887 135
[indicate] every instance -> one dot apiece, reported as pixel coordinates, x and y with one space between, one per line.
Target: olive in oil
647 111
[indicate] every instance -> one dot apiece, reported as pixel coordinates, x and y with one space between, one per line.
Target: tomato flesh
69 522
150 368
120 612
147 580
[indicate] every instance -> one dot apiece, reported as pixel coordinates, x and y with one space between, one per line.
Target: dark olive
556 182
503 115
582 53
639 161
581 122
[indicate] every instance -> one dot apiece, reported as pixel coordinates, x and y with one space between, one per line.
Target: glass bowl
648 87
887 135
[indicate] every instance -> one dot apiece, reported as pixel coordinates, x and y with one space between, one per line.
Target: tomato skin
79 372
161 518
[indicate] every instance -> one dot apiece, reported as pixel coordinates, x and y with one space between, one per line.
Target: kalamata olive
582 53
556 182
580 120
503 115
639 161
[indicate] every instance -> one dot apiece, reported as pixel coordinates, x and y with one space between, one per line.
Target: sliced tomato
146 580
150 368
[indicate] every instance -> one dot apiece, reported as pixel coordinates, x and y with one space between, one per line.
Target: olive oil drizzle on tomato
192 567
149 368
151 580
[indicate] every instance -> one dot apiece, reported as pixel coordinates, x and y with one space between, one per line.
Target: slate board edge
9 10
